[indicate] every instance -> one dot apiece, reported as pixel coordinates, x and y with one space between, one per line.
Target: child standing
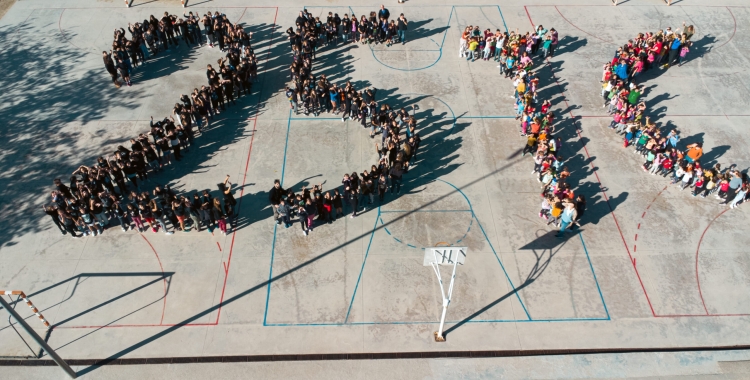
473 46
284 213
684 50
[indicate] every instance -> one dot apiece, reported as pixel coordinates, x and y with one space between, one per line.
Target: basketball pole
446 300
60 362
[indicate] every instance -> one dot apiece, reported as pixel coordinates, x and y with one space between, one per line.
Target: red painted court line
529 16
633 260
635 5
699 315
15 31
161 324
142 325
68 40
218 245
575 26
187 9
229 260
608 116
697 252
244 178
733 32
601 188
242 15
164 280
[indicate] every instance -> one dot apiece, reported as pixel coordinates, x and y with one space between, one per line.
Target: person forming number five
402 27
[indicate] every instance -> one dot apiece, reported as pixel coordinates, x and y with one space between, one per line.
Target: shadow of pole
264 284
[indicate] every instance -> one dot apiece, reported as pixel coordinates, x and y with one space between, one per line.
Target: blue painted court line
286 145
447 27
486 117
386 211
502 17
405 50
273 244
364 260
444 117
270 274
471 222
437 321
491 246
594 274
442 43
486 6
474 217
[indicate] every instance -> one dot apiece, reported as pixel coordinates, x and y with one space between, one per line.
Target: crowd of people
113 188
662 153
377 28
560 206
647 51
156 36
509 49
314 95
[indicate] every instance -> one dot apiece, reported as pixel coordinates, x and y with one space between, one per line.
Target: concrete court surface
652 266
684 365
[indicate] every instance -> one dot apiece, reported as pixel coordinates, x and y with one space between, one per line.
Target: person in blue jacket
621 70
674 51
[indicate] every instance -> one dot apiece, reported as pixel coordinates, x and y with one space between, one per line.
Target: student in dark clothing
284 213
311 210
302 212
402 27
69 222
337 203
353 201
382 187
580 209
111 69
396 173
274 198
52 211
123 70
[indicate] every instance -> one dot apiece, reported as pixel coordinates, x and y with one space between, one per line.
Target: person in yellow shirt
530 145
521 88
473 44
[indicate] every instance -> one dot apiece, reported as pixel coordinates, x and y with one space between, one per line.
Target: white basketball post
435 257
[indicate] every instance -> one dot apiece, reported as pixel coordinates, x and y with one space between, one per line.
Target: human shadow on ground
439 133
573 152
36 150
79 279
544 248
264 284
569 44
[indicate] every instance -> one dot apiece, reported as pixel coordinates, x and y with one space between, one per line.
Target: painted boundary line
359 277
368 356
596 174
227 264
633 259
383 225
728 8
440 46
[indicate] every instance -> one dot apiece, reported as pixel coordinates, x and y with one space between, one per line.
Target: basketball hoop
435 257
